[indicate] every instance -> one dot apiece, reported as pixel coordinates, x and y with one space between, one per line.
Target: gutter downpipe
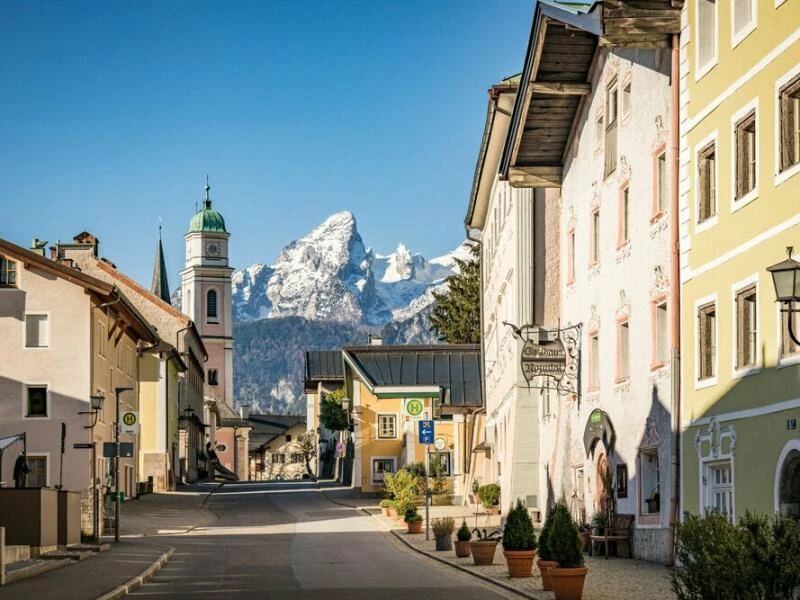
675 299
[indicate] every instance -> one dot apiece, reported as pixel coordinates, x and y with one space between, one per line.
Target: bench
619 531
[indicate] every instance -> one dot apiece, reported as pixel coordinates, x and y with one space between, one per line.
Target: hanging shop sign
544 360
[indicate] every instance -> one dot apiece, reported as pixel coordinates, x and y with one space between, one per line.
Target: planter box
30 516
69 518
440 500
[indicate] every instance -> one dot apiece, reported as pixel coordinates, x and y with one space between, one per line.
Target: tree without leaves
456 316
308 447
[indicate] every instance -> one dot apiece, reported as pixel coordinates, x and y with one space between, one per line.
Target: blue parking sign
425 432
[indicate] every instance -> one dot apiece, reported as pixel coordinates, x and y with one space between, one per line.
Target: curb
139 580
37 569
397 534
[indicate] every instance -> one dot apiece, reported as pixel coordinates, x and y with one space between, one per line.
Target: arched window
212 316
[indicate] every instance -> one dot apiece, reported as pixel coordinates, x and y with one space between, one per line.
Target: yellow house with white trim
392 388
740 186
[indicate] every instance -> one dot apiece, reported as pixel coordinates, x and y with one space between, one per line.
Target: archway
787 481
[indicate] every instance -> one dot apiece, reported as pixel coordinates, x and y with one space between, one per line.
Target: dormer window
212 316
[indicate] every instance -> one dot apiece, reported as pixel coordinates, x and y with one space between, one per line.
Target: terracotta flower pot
520 562
414 526
462 548
391 512
483 552
544 569
385 511
568 583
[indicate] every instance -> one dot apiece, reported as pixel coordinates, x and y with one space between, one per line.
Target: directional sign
110 450
426 432
130 422
82 445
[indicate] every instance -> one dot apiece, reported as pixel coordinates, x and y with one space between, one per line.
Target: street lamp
786 278
117 392
96 402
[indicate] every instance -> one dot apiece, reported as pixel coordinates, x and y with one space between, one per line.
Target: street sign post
426 432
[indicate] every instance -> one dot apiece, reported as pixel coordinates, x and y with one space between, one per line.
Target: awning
5 442
598 428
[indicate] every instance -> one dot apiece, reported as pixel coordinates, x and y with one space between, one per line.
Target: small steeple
160 285
207 188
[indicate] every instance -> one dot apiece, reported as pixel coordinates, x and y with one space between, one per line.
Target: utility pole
117 392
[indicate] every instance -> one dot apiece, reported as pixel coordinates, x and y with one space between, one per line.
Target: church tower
206 296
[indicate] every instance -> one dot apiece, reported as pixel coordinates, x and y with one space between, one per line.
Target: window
661 354
8 272
707 340
720 487
611 128
594 250
746 155
36 401
650 482
278 459
101 339
387 426
571 256
624 216
213 377
211 307
599 131
788 347
594 361
626 99
746 327
288 438
743 18
790 124
444 460
661 183
37 471
37 331
623 351
706 33
120 352
381 466
296 457
707 183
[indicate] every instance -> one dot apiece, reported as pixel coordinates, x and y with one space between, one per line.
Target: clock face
212 249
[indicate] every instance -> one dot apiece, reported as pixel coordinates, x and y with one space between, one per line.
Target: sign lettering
543 360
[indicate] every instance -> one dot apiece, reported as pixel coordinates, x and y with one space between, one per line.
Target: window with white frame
381 466
789 99
37 331
650 490
662 184
594 240
706 33
746 333
594 360
8 272
743 16
707 340
662 334
625 216
707 182
612 107
278 459
444 459
36 401
719 486
387 426
746 167
623 351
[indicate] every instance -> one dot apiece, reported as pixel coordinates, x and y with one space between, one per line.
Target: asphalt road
286 540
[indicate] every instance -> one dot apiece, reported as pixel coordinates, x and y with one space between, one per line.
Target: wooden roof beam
561 89
542 176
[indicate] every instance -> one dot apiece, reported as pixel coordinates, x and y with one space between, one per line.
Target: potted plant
519 541
490 497
401 507
413 520
565 548
463 536
439 495
386 505
654 502
484 546
443 531
546 562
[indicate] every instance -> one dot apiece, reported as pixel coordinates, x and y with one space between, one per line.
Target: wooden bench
619 531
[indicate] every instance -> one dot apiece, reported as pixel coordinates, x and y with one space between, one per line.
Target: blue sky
113 113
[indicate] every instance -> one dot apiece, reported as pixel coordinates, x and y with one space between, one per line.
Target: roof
450 367
229 417
207 219
266 428
324 365
160 285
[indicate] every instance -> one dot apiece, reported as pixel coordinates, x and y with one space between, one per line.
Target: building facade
324 373
740 158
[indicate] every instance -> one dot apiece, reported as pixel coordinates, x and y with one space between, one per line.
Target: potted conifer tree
546 562
566 549
413 520
519 541
463 536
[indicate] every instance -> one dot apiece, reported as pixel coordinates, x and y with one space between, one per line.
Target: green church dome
207 219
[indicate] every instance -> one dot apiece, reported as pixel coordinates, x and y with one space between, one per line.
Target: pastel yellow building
394 387
740 159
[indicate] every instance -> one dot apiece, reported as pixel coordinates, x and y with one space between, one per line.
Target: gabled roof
403 371
229 417
324 365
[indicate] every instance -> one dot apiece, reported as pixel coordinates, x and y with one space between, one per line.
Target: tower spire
160 285
207 188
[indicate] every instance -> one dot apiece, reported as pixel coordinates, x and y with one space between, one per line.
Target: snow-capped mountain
329 275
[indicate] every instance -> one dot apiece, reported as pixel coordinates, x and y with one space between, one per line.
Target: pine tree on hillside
456 315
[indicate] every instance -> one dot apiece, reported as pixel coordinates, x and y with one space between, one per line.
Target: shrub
386 503
403 506
563 540
518 531
412 516
463 534
544 546
443 527
402 485
417 472
489 494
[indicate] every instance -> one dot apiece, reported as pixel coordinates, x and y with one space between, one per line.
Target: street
287 540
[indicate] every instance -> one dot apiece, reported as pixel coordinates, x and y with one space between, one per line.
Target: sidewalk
142 520
607 579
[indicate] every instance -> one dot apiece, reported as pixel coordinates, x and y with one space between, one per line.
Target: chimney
375 340
244 411
38 246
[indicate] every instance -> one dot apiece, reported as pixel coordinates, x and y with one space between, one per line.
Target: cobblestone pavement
613 579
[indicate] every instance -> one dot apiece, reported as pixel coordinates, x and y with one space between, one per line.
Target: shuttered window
746 155
37 331
790 124
746 334
611 128
707 183
707 338
211 306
